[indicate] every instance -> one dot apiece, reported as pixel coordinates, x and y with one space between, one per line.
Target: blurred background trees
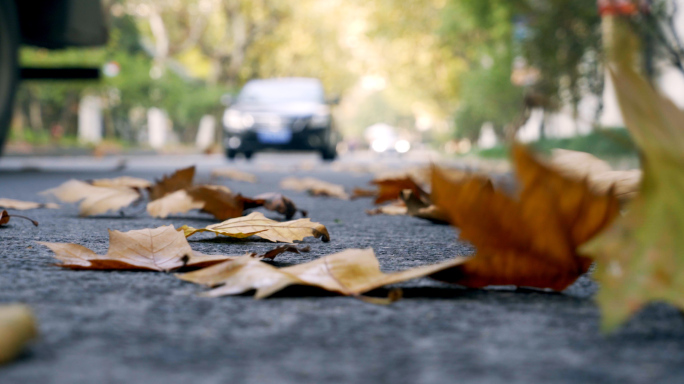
438 70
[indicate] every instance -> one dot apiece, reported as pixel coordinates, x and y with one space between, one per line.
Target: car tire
9 66
248 155
230 154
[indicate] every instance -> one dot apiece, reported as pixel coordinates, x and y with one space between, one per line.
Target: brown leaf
94 200
531 241
397 208
181 179
173 203
17 328
158 249
24 205
257 224
358 193
599 174
218 201
390 188
233 174
123 181
351 272
274 202
4 217
423 208
315 187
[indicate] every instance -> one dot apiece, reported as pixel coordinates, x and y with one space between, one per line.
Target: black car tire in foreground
9 68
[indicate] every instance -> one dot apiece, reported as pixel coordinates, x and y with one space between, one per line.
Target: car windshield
277 91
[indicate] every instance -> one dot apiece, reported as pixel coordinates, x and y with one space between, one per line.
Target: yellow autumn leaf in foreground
94 200
259 225
641 258
17 328
24 205
350 272
530 241
158 249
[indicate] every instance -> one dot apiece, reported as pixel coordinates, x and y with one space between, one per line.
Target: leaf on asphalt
599 174
358 193
639 259
218 201
17 328
314 187
530 241
351 272
5 218
275 202
173 203
397 208
423 208
158 249
24 205
257 224
123 181
181 179
233 174
390 188
94 200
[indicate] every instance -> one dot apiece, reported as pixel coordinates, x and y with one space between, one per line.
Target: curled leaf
350 272
257 224
181 179
390 188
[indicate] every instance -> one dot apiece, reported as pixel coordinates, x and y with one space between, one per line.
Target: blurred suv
281 114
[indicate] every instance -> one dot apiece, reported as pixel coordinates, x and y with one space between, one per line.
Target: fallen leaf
158 249
94 200
24 205
5 218
274 202
639 259
599 174
314 187
351 272
530 241
218 201
123 181
396 209
17 328
181 179
423 208
233 174
390 188
358 193
257 224
173 203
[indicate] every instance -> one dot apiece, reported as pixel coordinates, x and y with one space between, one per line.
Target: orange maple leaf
529 241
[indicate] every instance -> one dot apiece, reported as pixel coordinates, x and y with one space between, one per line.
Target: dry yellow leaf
94 200
257 224
350 272
158 249
173 203
599 174
396 209
24 205
233 174
17 328
314 186
123 181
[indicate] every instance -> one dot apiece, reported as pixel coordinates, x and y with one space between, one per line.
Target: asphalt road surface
146 327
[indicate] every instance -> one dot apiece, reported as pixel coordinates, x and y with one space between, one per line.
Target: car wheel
9 69
248 155
328 154
230 154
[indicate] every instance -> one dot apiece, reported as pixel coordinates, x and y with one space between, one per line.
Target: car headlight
320 120
234 120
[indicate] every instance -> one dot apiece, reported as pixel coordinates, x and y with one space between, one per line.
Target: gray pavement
140 327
